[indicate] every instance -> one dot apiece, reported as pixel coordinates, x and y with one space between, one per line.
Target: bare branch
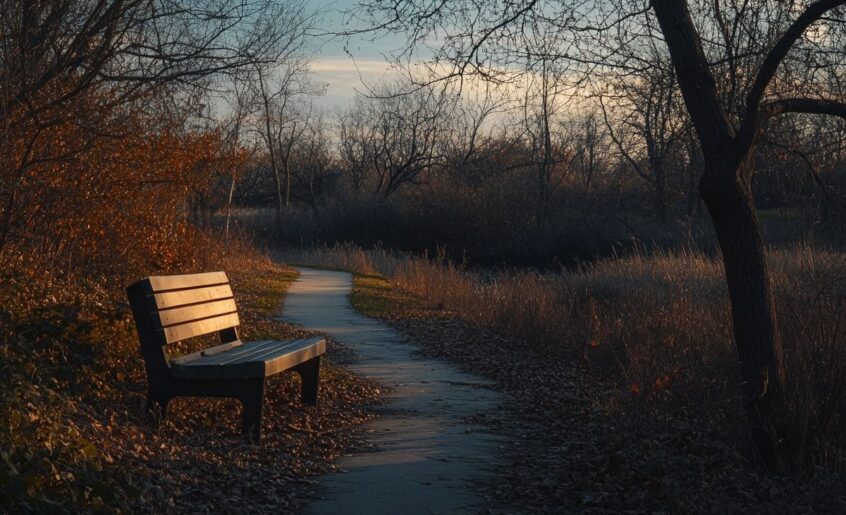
750 124
804 105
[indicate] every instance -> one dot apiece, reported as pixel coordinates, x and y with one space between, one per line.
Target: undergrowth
656 328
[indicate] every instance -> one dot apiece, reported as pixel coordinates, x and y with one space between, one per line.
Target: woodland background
556 206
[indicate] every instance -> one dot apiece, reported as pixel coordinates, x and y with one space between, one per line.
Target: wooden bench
170 309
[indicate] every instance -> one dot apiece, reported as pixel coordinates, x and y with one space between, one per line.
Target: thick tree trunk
694 173
727 193
726 189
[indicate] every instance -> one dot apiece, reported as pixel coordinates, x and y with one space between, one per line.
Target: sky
347 65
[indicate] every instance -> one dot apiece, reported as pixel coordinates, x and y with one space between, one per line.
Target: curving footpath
422 456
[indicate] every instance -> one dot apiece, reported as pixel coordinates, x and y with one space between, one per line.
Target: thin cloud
344 77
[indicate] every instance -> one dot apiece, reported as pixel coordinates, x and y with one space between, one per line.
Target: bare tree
239 110
541 105
729 104
296 131
590 145
276 88
470 130
726 187
85 63
356 146
311 161
398 133
645 119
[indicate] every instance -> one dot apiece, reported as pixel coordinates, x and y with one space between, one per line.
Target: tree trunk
661 208
693 172
277 183
271 147
229 202
726 190
660 186
287 185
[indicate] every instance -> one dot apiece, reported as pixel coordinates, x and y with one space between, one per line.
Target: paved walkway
421 456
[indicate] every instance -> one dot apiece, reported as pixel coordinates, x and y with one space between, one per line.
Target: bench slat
181 315
184 297
271 357
211 351
241 352
176 333
177 282
270 353
259 353
306 353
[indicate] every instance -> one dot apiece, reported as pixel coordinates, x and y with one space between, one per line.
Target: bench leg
310 375
252 401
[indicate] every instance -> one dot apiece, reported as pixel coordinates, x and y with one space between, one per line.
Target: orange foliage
103 194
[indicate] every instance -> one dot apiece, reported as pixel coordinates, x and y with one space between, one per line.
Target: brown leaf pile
74 435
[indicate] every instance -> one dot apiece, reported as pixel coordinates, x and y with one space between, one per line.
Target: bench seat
252 359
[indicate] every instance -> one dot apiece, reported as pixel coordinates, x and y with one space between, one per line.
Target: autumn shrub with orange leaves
92 196
106 199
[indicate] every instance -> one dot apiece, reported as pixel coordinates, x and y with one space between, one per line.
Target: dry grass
656 327
577 446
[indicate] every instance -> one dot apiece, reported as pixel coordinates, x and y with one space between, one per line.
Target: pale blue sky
344 64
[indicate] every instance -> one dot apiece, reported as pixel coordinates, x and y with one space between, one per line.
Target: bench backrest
172 308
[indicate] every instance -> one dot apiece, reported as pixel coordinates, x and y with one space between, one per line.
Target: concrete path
421 456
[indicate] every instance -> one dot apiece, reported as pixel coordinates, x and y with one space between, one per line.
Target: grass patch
263 292
377 297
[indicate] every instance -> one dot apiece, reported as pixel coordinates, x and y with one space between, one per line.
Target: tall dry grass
657 327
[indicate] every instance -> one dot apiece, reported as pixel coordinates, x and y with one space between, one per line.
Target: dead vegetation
625 390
